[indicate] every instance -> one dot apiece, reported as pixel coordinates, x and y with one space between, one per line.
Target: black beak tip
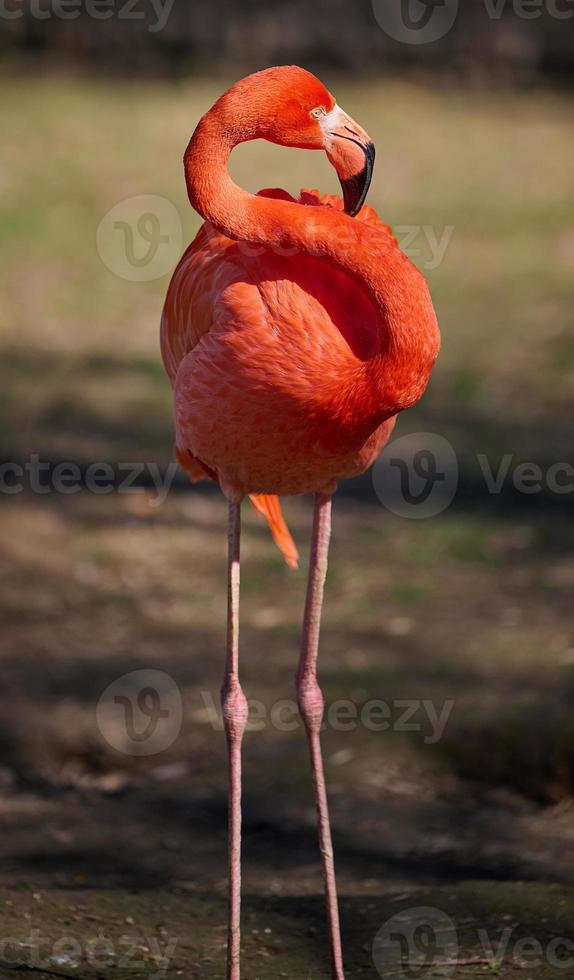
355 189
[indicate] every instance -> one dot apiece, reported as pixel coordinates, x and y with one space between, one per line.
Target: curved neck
367 252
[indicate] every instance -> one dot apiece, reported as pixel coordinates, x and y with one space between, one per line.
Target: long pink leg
311 706
235 712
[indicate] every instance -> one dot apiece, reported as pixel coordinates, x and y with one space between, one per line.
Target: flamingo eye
318 112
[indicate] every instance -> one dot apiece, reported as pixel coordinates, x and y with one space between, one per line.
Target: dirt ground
101 849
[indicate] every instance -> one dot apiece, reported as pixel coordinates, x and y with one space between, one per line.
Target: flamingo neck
407 343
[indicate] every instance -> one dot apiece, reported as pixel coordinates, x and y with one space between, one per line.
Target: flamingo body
260 347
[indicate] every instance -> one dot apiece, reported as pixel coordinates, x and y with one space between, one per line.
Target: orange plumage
292 333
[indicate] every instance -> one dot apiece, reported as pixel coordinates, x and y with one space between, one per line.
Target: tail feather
270 508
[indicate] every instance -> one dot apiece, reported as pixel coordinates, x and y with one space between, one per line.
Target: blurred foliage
492 41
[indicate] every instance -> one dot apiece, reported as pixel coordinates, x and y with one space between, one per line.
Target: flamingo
293 332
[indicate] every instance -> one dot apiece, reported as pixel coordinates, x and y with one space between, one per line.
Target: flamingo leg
235 710
311 706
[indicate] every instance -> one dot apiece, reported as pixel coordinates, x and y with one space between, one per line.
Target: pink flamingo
293 333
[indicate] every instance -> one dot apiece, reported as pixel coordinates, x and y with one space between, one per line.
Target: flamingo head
293 108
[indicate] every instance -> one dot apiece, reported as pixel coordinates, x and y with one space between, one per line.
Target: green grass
495 169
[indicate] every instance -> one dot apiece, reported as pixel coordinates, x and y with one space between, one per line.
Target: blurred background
454 793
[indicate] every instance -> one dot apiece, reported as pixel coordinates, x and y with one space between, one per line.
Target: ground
464 620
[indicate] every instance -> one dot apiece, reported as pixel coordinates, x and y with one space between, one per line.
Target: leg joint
311 702
235 710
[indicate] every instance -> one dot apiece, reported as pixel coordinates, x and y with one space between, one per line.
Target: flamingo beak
352 153
356 187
